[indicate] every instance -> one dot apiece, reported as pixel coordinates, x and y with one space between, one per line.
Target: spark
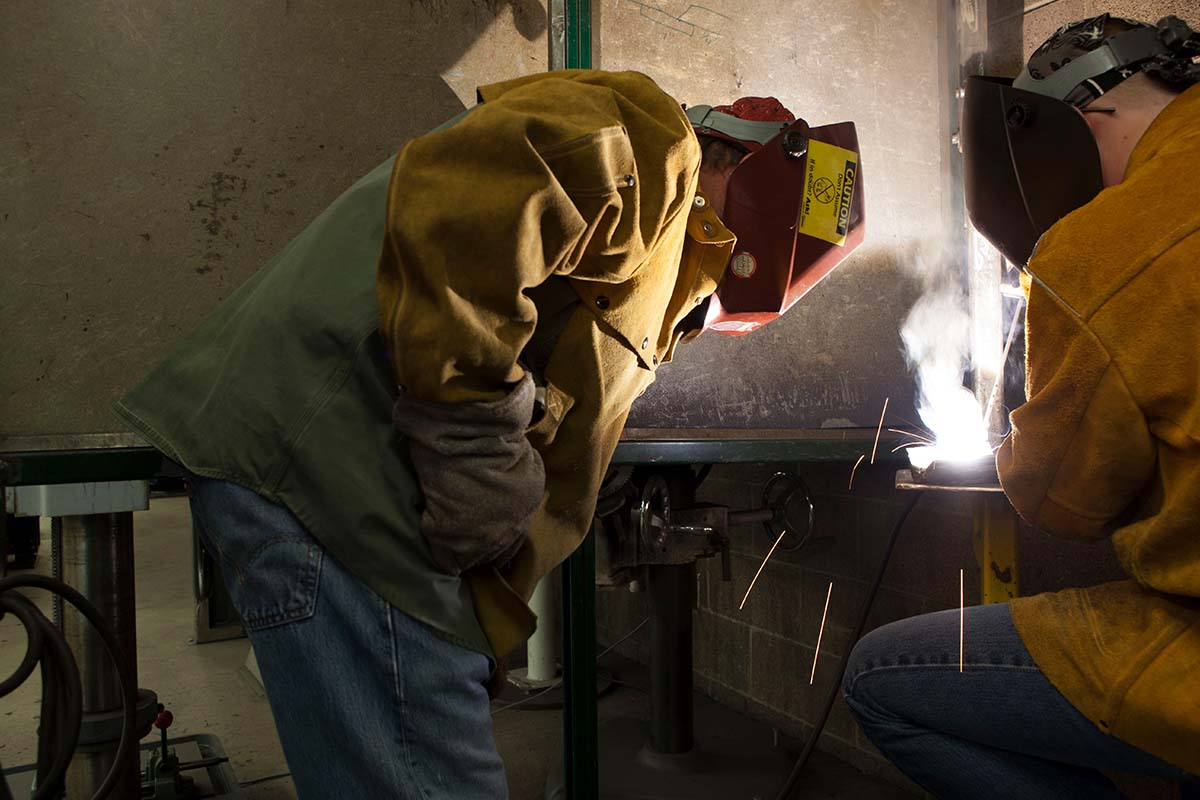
760 568
918 436
907 432
880 429
820 633
962 612
856 463
905 419
905 445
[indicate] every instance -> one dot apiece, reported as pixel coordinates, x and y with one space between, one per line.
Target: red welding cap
751 109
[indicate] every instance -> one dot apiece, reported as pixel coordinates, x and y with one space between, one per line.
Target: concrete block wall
758 660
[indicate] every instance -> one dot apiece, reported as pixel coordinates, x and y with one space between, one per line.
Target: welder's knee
891 663
873 650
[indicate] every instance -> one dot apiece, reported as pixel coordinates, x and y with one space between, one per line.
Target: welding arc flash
820 633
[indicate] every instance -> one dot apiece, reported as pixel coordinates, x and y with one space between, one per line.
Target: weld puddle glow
952 414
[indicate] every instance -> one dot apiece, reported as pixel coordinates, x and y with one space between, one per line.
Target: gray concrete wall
155 154
835 357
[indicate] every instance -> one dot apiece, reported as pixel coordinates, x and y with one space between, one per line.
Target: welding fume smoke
937 343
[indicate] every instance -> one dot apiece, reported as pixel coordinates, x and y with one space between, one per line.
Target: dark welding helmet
795 203
1029 156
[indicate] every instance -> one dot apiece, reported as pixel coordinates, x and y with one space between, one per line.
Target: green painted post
579 34
580 746
581 751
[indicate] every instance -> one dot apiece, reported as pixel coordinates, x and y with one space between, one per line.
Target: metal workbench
120 458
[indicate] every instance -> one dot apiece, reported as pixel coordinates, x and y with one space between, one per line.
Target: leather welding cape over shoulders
421 275
1109 443
585 176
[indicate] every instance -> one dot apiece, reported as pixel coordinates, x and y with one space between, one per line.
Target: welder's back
1109 443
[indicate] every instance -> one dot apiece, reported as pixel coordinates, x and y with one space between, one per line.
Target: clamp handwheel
787 495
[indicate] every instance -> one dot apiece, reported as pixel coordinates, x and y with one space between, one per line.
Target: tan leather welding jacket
587 175
1109 443
288 387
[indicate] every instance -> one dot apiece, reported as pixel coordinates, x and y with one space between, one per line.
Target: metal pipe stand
92 551
96 557
731 757
541 670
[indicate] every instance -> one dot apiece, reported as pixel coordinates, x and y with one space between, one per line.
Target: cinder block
724 596
890 606
829 668
775 603
1040 24
780 671
834 545
618 611
842 723
845 600
1150 11
728 697
933 546
722 650
704 570
792 730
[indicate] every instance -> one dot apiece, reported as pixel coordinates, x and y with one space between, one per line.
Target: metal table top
35 461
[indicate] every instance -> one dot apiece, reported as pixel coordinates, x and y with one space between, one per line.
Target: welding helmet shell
1028 161
1029 156
795 204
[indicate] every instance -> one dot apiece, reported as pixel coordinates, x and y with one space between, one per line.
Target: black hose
793 779
62 690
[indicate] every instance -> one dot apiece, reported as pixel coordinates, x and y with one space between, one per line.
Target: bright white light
937 338
952 414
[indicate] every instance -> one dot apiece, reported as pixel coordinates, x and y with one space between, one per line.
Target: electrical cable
265 779
789 787
623 639
62 689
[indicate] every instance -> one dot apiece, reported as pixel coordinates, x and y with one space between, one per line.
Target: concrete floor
209 690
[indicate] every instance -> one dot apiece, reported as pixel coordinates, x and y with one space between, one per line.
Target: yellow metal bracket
996 547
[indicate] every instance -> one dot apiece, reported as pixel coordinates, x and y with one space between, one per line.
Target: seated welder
400 424
1085 172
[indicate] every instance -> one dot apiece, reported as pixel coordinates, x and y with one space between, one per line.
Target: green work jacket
286 389
422 275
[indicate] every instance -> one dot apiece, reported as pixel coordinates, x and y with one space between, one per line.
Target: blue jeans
998 730
369 703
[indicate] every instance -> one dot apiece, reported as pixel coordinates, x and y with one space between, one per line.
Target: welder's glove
481 478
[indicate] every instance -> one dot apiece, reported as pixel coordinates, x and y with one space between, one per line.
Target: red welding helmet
794 202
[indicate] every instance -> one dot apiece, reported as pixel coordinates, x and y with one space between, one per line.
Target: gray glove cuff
481 478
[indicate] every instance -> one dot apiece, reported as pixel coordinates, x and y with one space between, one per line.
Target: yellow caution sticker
830 179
